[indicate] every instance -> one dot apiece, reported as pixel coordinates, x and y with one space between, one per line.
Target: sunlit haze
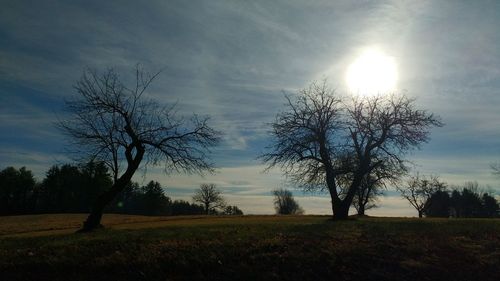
373 72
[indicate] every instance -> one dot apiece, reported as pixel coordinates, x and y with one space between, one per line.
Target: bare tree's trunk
340 207
94 219
341 210
361 209
334 203
420 213
207 209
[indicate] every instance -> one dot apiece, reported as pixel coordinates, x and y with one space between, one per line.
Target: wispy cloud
232 60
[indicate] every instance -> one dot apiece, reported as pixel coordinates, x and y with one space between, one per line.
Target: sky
233 60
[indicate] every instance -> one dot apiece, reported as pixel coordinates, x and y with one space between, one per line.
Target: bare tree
419 189
320 139
366 195
210 197
285 204
372 185
122 127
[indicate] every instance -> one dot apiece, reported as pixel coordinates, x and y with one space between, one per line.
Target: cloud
33 160
243 180
232 60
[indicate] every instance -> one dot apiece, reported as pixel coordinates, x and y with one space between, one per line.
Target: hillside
45 247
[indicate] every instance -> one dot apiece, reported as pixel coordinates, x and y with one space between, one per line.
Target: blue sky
232 60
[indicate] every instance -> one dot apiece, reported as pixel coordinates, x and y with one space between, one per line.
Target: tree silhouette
61 188
181 207
17 188
320 138
96 179
120 126
365 197
419 189
471 200
438 204
491 207
232 211
153 200
72 188
210 197
285 204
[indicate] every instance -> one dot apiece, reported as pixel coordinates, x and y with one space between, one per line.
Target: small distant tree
419 189
210 197
285 204
232 211
366 195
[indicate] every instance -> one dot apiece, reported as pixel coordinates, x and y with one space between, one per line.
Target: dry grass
249 248
51 224
33 224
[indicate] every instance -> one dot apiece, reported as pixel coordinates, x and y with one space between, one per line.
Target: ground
45 247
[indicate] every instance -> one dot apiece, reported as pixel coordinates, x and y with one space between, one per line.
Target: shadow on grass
302 248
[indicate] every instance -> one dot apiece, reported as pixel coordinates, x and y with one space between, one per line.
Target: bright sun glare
373 72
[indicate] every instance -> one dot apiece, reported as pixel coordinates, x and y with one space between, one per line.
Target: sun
373 72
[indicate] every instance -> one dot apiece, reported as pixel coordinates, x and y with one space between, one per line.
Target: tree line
431 197
75 188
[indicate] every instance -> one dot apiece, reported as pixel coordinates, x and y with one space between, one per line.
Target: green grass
249 248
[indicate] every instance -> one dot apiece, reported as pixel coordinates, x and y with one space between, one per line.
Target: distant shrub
285 204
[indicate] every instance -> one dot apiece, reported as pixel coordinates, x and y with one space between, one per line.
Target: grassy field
45 247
